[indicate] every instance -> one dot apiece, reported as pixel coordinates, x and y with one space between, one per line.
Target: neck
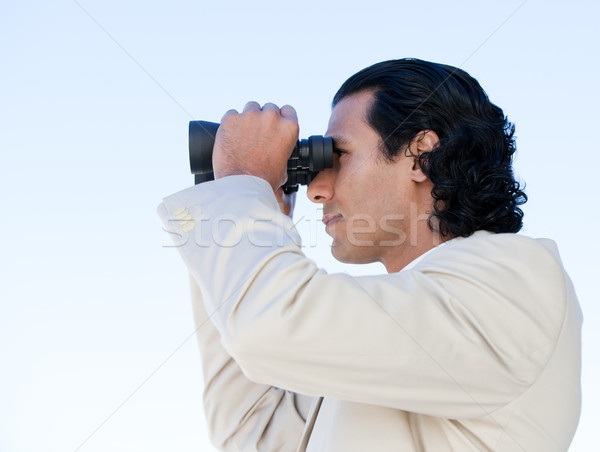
417 244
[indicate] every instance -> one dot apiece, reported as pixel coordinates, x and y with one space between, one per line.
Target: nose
320 189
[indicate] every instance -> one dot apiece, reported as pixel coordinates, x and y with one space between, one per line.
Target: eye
339 152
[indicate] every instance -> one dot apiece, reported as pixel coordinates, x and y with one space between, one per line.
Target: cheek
356 177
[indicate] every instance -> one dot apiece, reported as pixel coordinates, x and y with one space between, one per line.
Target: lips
329 220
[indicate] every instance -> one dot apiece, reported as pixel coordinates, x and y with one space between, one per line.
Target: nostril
315 197
321 188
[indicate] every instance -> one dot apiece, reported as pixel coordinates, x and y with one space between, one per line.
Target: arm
243 415
459 336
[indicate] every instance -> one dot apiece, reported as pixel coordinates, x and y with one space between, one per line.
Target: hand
257 142
286 202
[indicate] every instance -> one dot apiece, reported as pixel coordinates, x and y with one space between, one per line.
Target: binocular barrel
308 157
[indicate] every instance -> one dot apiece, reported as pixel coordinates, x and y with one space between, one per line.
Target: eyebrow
340 141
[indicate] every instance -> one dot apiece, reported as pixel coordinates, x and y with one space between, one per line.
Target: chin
349 255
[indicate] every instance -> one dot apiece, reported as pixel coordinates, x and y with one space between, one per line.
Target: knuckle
230 113
230 117
271 114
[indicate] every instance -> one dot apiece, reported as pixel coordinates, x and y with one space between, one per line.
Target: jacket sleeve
460 335
243 415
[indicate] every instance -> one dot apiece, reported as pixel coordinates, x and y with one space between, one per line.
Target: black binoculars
308 157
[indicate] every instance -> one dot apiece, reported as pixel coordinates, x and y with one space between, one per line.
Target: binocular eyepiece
308 156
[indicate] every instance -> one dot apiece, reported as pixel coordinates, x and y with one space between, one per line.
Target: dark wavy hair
471 169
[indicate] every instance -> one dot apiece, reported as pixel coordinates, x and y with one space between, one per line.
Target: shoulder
508 255
510 284
514 265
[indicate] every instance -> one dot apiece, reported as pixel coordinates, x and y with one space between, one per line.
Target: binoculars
309 156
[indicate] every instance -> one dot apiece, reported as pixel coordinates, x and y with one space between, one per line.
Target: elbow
219 433
252 352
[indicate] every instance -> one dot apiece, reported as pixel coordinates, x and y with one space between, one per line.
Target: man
471 342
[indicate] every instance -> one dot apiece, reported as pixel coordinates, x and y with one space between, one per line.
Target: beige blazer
476 347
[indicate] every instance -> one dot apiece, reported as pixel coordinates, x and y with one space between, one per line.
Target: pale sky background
95 99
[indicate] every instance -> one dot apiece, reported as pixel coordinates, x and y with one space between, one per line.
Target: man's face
366 199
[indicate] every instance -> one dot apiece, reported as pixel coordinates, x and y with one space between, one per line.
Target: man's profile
470 342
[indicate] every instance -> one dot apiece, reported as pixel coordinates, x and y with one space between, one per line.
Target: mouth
330 220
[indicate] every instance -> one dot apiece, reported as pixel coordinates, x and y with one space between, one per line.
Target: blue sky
95 322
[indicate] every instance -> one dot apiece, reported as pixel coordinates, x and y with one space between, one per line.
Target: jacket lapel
310 423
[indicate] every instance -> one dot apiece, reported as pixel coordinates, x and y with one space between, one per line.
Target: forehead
349 116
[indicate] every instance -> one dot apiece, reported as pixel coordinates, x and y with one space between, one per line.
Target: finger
229 113
288 112
286 202
251 106
270 106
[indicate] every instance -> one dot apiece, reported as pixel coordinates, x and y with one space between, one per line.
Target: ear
424 141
